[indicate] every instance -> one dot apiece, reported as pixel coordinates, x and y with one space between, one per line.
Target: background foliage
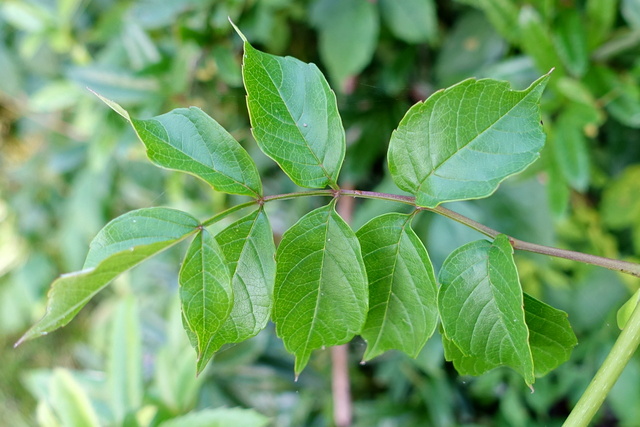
68 165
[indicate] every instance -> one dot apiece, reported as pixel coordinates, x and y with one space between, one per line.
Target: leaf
631 12
624 313
571 149
348 32
295 117
70 402
600 18
536 41
571 42
503 15
620 203
550 335
414 21
205 292
481 307
219 417
122 244
248 248
476 122
188 140
402 287
320 296
621 92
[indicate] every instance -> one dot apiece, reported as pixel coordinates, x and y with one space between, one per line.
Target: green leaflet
570 146
481 307
120 245
402 287
248 248
205 293
624 313
188 140
482 123
295 117
348 34
320 296
620 203
414 21
536 41
550 337
219 417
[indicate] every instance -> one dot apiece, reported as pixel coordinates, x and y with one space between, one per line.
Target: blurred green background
68 165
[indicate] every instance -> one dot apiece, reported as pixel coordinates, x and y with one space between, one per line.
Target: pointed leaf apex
113 105
235 27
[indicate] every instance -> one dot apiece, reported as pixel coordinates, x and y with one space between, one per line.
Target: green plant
329 283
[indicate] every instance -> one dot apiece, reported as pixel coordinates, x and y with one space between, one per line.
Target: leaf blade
119 246
402 286
495 128
206 295
294 117
320 295
481 306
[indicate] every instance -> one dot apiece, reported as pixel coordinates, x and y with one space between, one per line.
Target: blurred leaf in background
68 166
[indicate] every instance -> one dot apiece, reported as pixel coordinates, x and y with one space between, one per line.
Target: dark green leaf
503 15
402 287
205 292
249 250
320 296
483 123
571 149
414 21
481 307
120 245
294 117
348 33
535 40
550 335
188 140
571 41
600 17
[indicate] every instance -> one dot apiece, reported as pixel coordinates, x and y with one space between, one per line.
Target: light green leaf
188 140
248 248
348 33
124 371
120 245
631 12
600 18
571 41
621 91
550 335
70 402
481 307
413 21
320 296
205 292
503 15
295 117
402 287
482 123
536 41
570 147
624 313
620 201
219 417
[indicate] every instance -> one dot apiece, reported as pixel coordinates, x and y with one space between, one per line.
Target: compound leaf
248 248
188 140
481 307
482 123
320 296
402 286
295 117
120 245
205 292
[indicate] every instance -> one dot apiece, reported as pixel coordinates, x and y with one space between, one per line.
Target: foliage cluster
68 167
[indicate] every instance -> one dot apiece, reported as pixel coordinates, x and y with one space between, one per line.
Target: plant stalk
611 264
624 347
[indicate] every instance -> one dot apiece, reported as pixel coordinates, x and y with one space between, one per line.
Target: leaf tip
112 104
235 27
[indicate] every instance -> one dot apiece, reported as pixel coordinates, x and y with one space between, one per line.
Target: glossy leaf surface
481 306
120 245
188 140
295 117
402 287
321 296
248 248
463 141
205 292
